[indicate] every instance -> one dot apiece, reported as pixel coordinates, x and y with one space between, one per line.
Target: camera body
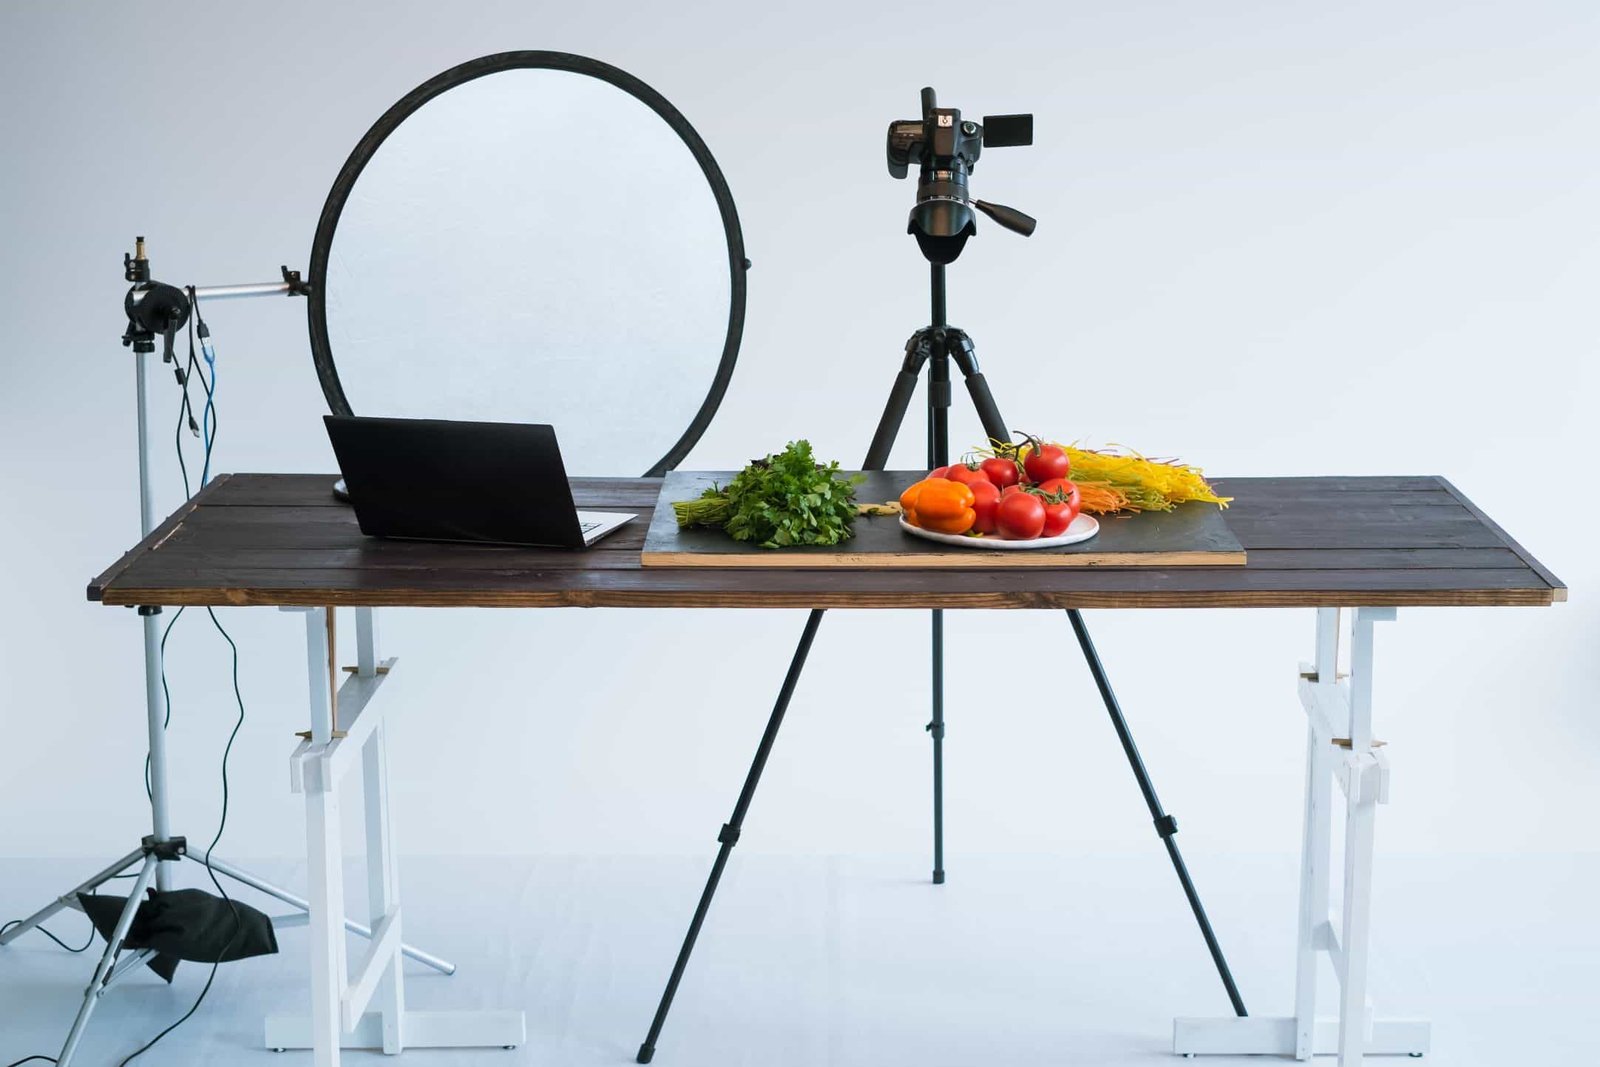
943 140
945 147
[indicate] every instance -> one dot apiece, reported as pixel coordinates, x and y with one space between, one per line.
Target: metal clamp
169 848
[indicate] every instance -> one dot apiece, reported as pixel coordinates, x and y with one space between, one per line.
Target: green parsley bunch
783 500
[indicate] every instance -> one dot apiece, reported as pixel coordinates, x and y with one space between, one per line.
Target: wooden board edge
973 560
101 582
1544 573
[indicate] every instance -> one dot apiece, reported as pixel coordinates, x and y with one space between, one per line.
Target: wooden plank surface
1193 535
284 540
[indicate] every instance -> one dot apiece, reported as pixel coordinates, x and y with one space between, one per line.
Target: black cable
30 1059
81 948
186 408
93 891
166 692
222 823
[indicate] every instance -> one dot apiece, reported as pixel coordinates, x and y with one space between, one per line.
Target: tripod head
946 148
152 307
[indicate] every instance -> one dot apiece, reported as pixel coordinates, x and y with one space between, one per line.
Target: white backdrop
1274 239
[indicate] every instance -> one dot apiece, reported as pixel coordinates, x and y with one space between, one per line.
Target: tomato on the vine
1057 517
1043 462
960 472
938 472
985 499
1002 470
1020 516
1062 502
1062 487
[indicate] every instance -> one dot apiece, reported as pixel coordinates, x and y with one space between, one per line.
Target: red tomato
1062 501
985 499
1062 487
960 472
1044 462
938 472
1020 517
1057 517
1002 470
1008 490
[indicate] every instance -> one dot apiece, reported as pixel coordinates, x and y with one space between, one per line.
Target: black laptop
434 480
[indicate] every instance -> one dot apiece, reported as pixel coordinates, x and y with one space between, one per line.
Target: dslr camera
946 147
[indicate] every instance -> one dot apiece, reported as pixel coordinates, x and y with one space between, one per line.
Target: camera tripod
935 347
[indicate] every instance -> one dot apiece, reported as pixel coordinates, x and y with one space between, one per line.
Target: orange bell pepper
940 505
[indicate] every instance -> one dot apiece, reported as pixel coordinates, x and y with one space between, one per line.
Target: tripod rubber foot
938 878
646 1054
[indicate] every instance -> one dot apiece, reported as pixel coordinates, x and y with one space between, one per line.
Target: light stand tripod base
108 960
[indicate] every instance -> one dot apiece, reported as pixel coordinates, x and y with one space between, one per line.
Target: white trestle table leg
1339 748
348 734
383 893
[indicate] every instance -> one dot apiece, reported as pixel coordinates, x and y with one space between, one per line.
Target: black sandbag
185 924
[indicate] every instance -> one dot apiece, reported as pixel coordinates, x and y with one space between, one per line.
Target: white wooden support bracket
322 767
1339 748
347 726
382 950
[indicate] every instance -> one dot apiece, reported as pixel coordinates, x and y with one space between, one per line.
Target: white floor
858 961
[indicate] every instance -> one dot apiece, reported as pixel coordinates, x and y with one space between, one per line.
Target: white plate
1083 527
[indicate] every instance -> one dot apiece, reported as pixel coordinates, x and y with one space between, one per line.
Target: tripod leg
97 984
729 835
938 456
69 899
956 345
918 349
962 351
1166 825
936 731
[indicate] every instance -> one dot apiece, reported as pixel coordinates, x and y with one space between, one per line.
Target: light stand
160 847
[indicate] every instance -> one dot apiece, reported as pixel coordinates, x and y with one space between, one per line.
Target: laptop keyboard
585 527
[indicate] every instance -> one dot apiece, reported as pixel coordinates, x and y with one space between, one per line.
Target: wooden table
283 540
1353 548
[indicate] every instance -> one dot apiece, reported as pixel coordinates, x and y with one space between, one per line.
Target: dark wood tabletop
283 539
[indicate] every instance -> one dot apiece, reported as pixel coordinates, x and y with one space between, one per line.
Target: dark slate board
1191 535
